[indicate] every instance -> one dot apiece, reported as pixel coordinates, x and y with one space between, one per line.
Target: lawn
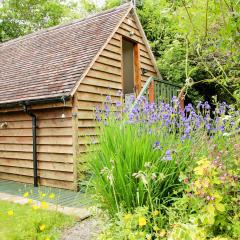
23 222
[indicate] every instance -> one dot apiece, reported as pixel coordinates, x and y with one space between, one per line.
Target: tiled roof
48 63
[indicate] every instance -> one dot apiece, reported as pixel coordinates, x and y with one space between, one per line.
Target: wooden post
151 92
181 100
75 139
137 68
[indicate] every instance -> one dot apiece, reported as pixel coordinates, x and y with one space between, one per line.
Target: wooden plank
43 182
41 132
41 115
49 157
137 69
106 68
49 123
114 42
38 107
103 83
113 48
99 90
86 123
75 134
92 97
64 167
103 75
127 35
40 148
111 55
109 61
41 173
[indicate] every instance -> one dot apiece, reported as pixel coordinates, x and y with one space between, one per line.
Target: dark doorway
128 67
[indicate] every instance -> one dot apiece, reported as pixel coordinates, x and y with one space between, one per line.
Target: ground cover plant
164 173
31 221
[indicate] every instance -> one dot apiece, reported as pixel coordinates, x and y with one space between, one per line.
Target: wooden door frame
136 64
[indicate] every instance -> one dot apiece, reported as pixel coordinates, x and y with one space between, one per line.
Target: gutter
34 139
36 101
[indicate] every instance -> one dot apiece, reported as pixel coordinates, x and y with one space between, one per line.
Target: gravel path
85 230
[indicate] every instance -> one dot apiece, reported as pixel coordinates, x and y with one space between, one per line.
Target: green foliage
125 166
20 17
207 209
196 42
21 222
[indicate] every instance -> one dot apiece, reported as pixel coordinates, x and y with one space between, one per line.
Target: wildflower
168 156
157 145
35 207
142 221
118 104
26 194
10 213
30 201
52 196
108 98
43 194
47 238
42 227
44 205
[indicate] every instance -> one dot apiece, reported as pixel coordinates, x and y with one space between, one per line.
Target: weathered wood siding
105 78
54 146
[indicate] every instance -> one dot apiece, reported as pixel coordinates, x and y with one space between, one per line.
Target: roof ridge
61 26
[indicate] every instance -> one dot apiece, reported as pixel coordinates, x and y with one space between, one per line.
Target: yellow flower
30 201
44 205
42 227
35 207
47 238
127 217
52 196
10 213
155 213
26 194
43 194
142 221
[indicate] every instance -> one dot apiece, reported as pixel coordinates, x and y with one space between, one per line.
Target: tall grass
141 156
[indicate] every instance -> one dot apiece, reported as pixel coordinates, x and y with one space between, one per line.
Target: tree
19 17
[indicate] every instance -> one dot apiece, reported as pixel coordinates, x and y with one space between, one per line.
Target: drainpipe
34 144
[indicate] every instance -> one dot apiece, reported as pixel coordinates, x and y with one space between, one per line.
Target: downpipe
34 144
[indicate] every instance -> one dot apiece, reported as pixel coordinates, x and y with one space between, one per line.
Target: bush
207 209
143 152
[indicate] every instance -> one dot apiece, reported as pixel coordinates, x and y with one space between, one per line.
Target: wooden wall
57 138
105 78
54 146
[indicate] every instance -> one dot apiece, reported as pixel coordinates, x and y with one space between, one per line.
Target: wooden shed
50 83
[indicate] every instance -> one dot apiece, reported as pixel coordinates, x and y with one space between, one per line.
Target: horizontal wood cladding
105 79
54 146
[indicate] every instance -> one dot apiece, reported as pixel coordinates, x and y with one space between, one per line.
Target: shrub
143 151
207 209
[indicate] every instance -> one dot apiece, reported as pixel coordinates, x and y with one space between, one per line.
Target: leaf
220 207
210 209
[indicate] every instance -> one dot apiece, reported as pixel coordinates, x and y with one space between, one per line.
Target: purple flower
207 106
157 145
108 98
118 104
168 156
